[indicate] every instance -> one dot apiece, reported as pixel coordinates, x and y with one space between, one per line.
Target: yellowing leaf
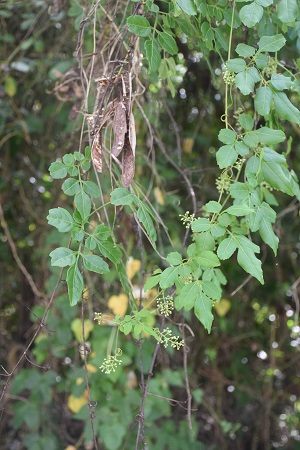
91 368
118 304
76 327
70 447
10 86
223 307
159 196
132 267
76 403
79 381
188 145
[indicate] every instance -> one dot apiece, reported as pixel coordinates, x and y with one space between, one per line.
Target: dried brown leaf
127 163
120 129
96 151
132 134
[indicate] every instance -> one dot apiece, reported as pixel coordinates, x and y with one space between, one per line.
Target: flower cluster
187 218
229 77
223 182
165 305
271 68
111 362
166 338
98 317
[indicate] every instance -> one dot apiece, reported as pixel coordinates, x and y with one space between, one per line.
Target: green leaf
251 14
58 170
102 232
271 43
246 121
261 61
212 290
145 218
83 204
91 189
245 50
152 55
288 11
236 65
202 308
91 243
227 136
239 210
168 277
187 6
269 136
226 248
62 257
185 26
217 230
208 259
247 259
139 25
151 282
226 156
121 196
241 148
221 38
246 80
239 190
277 176
263 100
79 156
202 224
267 234
61 219
284 108
251 139
110 250
95 264
167 43
187 296
75 285
212 207
204 241
71 186
264 3
174 258
281 82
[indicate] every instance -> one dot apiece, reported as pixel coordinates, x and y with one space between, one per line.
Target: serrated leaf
236 65
281 82
167 43
58 170
174 258
187 296
145 218
251 14
83 204
246 121
267 234
239 210
277 176
201 224
91 189
204 241
151 282
217 230
212 290
68 159
152 55
70 186
241 148
221 38
288 11
248 261
284 108
227 136
208 259
61 219
271 43
246 80
226 248
269 136
139 25
95 264
212 207
91 243
168 277
75 285
187 6
102 232
110 251
226 156
263 100
239 190
62 257
202 308
121 196
245 50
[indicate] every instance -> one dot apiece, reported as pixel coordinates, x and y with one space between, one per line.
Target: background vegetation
235 388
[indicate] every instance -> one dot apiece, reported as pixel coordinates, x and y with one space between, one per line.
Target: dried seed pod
127 163
96 151
120 129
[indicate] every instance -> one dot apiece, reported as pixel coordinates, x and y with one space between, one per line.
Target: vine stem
229 53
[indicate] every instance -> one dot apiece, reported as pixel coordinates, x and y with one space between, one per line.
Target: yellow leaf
76 403
188 145
79 381
159 196
132 267
70 447
223 307
10 86
91 368
118 304
76 327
